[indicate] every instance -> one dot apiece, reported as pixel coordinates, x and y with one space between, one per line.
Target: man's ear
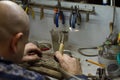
15 41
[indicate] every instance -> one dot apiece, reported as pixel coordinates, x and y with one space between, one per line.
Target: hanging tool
118 40
58 15
78 16
114 10
75 17
111 27
28 9
24 3
41 13
87 16
113 36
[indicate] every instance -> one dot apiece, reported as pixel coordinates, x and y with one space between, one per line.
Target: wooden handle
95 63
61 47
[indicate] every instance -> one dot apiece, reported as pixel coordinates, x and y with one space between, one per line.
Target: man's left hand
31 53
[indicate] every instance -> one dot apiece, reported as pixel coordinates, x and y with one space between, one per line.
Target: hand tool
75 17
28 9
24 3
87 16
111 27
78 21
98 64
61 46
118 40
41 13
58 14
32 52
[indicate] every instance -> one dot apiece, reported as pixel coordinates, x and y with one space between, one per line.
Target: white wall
92 33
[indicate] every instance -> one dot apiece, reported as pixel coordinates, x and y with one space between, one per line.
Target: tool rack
87 12
47 6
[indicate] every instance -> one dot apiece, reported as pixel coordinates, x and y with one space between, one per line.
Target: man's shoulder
13 70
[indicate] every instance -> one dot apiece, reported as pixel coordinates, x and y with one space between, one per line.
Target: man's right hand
69 64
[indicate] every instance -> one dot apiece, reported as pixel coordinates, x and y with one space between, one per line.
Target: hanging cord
114 9
80 51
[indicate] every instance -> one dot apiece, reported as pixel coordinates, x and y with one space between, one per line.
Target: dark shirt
11 71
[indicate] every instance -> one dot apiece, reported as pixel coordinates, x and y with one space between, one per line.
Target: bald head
14 28
13 19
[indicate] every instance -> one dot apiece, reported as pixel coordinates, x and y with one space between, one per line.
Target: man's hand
31 53
69 64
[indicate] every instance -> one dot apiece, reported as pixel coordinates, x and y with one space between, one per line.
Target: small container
56 36
68 52
108 55
113 70
45 46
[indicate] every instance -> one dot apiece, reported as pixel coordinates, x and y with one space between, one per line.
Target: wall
92 33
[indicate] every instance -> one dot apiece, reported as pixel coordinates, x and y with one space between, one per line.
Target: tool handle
56 20
61 47
95 63
72 20
62 17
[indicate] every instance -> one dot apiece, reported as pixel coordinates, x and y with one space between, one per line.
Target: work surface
88 68
52 69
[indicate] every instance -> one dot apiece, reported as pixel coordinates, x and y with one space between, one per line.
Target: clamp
58 15
75 17
28 9
25 3
41 13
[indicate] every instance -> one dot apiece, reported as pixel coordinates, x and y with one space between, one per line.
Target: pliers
75 17
28 9
59 15
25 3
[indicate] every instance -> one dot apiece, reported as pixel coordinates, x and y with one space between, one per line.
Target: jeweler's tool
61 46
98 64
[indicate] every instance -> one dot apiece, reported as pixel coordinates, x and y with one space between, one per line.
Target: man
14 30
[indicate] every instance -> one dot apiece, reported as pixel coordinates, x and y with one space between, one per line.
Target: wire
114 9
80 51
